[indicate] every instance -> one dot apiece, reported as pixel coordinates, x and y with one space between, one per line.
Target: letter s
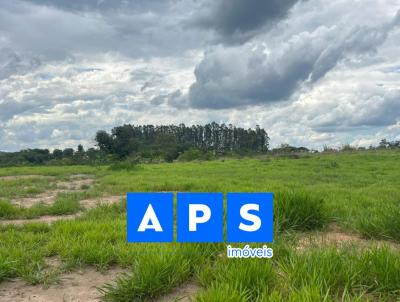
256 221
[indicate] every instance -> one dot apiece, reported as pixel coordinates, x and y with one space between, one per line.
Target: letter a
150 221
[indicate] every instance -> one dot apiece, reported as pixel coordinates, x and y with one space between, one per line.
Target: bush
196 154
190 155
130 164
299 210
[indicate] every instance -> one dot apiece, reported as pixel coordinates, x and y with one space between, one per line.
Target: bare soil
87 204
78 286
93 202
183 293
76 183
73 185
15 177
43 219
337 237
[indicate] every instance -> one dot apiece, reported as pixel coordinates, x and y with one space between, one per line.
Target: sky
311 72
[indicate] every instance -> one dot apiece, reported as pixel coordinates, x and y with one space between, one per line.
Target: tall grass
360 192
299 210
251 277
380 221
335 271
156 273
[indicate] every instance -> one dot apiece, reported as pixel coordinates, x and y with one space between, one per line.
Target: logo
199 217
150 217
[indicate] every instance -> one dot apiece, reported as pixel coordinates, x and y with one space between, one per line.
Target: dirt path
49 197
74 287
15 177
335 236
76 183
42 219
93 202
87 204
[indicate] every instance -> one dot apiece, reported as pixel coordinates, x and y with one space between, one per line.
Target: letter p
194 219
200 217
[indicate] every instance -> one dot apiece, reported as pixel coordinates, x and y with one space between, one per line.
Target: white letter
244 212
193 219
150 216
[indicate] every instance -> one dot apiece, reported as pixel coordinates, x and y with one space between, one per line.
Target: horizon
310 73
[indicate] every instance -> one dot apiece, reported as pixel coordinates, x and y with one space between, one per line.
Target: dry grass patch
335 236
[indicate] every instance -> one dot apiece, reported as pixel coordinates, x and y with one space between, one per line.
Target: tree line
149 142
67 156
169 141
129 143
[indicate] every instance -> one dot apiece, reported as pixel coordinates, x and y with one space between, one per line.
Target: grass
380 221
358 191
63 205
250 277
17 188
157 273
299 210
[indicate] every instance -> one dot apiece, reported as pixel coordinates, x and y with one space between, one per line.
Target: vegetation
357 191
169 141
149 143
63 205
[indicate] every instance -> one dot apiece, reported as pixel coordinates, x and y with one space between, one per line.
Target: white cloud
321 73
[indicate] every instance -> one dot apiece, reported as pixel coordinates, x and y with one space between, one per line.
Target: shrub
190 155
130 164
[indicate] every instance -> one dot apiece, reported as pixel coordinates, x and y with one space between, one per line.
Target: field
337 232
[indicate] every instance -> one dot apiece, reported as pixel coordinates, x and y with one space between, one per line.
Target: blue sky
311 73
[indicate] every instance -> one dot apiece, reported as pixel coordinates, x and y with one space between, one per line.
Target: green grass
17 188
358 191
299 210
380 220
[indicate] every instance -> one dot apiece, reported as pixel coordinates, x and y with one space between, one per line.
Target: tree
57 154
80 149
68 152
104 141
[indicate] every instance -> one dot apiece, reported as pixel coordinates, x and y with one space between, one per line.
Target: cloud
104 5
373 111
310 72
60 30
12 63
254 73
236 21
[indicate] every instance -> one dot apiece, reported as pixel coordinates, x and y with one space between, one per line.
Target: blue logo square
250 217
200 217
150 217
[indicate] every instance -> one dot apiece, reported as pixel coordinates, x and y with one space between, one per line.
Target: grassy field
355 196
